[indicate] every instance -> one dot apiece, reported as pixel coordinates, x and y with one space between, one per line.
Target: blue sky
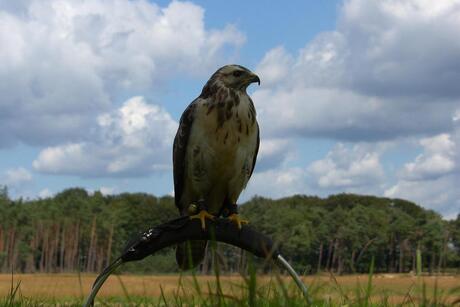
357 96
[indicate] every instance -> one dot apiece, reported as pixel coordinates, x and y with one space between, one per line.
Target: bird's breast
221 149
224 137
229 125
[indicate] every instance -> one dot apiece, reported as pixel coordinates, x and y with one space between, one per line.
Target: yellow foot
203 215
235 218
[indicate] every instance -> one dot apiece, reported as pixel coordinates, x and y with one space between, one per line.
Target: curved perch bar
183 229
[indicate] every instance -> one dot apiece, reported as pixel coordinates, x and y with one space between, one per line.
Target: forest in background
77 231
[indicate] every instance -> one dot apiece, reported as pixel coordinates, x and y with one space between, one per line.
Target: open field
397 288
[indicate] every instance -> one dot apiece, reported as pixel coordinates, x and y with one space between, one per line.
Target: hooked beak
254 78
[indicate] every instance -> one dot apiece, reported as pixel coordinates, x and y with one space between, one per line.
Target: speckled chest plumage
221 149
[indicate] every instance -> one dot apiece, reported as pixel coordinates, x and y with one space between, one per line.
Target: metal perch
183 229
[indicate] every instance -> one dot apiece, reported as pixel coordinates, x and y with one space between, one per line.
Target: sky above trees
356 96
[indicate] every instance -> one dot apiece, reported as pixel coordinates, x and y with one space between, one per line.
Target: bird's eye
237 73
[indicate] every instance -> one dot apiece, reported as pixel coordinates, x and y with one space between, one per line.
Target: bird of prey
214 155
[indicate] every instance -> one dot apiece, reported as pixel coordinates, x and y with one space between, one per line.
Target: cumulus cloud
436 160
62 62
16 176
18 180
275 65
45 193
273 153
388 74
432 178
279 182
135 139
108 190
441 194
344 114
389 70
344 168
402 47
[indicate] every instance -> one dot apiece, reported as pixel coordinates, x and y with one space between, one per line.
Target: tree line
77 231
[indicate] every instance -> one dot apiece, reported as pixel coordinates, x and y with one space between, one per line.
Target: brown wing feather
254 159
179 151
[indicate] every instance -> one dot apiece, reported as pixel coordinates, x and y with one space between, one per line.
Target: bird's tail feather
190 254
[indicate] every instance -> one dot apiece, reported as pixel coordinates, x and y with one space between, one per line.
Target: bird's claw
235 218
202 216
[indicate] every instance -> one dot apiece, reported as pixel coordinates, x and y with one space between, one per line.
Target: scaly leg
203 214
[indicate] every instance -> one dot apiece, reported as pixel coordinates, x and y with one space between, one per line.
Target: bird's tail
190 254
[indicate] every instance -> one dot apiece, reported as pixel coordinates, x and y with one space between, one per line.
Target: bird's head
235 77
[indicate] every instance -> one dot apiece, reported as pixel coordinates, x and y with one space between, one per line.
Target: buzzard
214 155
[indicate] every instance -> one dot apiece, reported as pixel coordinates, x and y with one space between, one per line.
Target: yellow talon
235 218
203 215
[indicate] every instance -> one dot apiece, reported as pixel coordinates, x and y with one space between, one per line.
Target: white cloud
337 113
107 190
432 179
388 73
18 180
273 153
134 140
355 169
441 194
16 177
45 193
63 62
389 70
347 168
402 47
437 159
277 183
275 66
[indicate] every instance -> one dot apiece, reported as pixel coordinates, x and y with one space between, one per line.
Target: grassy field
174 290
